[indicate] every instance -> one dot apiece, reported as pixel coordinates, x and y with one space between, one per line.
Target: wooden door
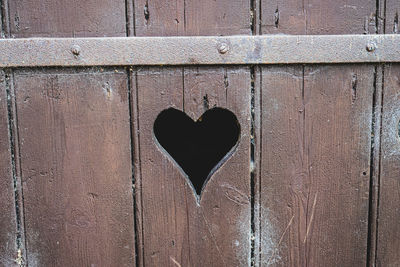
311 180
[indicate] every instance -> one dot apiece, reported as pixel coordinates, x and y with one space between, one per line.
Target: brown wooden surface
75 167
8 225
317 17
315 143
314 188
74 137
392 12
47 18
183 17
388 239
173 230
388 227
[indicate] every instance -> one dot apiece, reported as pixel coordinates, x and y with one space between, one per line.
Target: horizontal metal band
211 50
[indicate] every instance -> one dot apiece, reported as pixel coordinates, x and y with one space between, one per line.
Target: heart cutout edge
214 149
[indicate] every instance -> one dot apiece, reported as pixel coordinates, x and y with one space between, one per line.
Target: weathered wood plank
279 140
217 17
315 143
75 167
175 228
376 143
159 18
387 226
338 121
216 233
317 17
166 18
75 152
391 16
388 238
89 18
315 165
8 223
159 244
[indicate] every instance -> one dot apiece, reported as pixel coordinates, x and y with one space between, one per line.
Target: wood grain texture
74 128
75 168
176 230
8 224
391 16
315 143
184 17
46 18
388 239
315 185
375 144
388 230
317 17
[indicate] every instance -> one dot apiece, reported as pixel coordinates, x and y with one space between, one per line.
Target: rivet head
223 48
371 47
76 50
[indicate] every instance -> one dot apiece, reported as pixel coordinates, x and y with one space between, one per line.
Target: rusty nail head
223 48
371 47
76 50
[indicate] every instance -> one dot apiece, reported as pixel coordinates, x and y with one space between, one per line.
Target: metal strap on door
212 50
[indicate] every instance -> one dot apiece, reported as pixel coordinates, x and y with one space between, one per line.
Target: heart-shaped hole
198 147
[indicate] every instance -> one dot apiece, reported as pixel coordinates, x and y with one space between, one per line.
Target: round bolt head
76 50
371 47
223 48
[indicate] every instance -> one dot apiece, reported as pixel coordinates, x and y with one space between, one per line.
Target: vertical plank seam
132 140
137 174
255 144
375 149
16 170
374 166
253 28
20 239
19 169
259 154
2 19
5 19
184 16
135 146
303 154
12 155
139 153
381 94
379 166
259 7
129 32
384 18
130 21
253 16
252 167
133 17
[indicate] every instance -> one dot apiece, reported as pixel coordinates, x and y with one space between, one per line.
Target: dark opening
198 147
